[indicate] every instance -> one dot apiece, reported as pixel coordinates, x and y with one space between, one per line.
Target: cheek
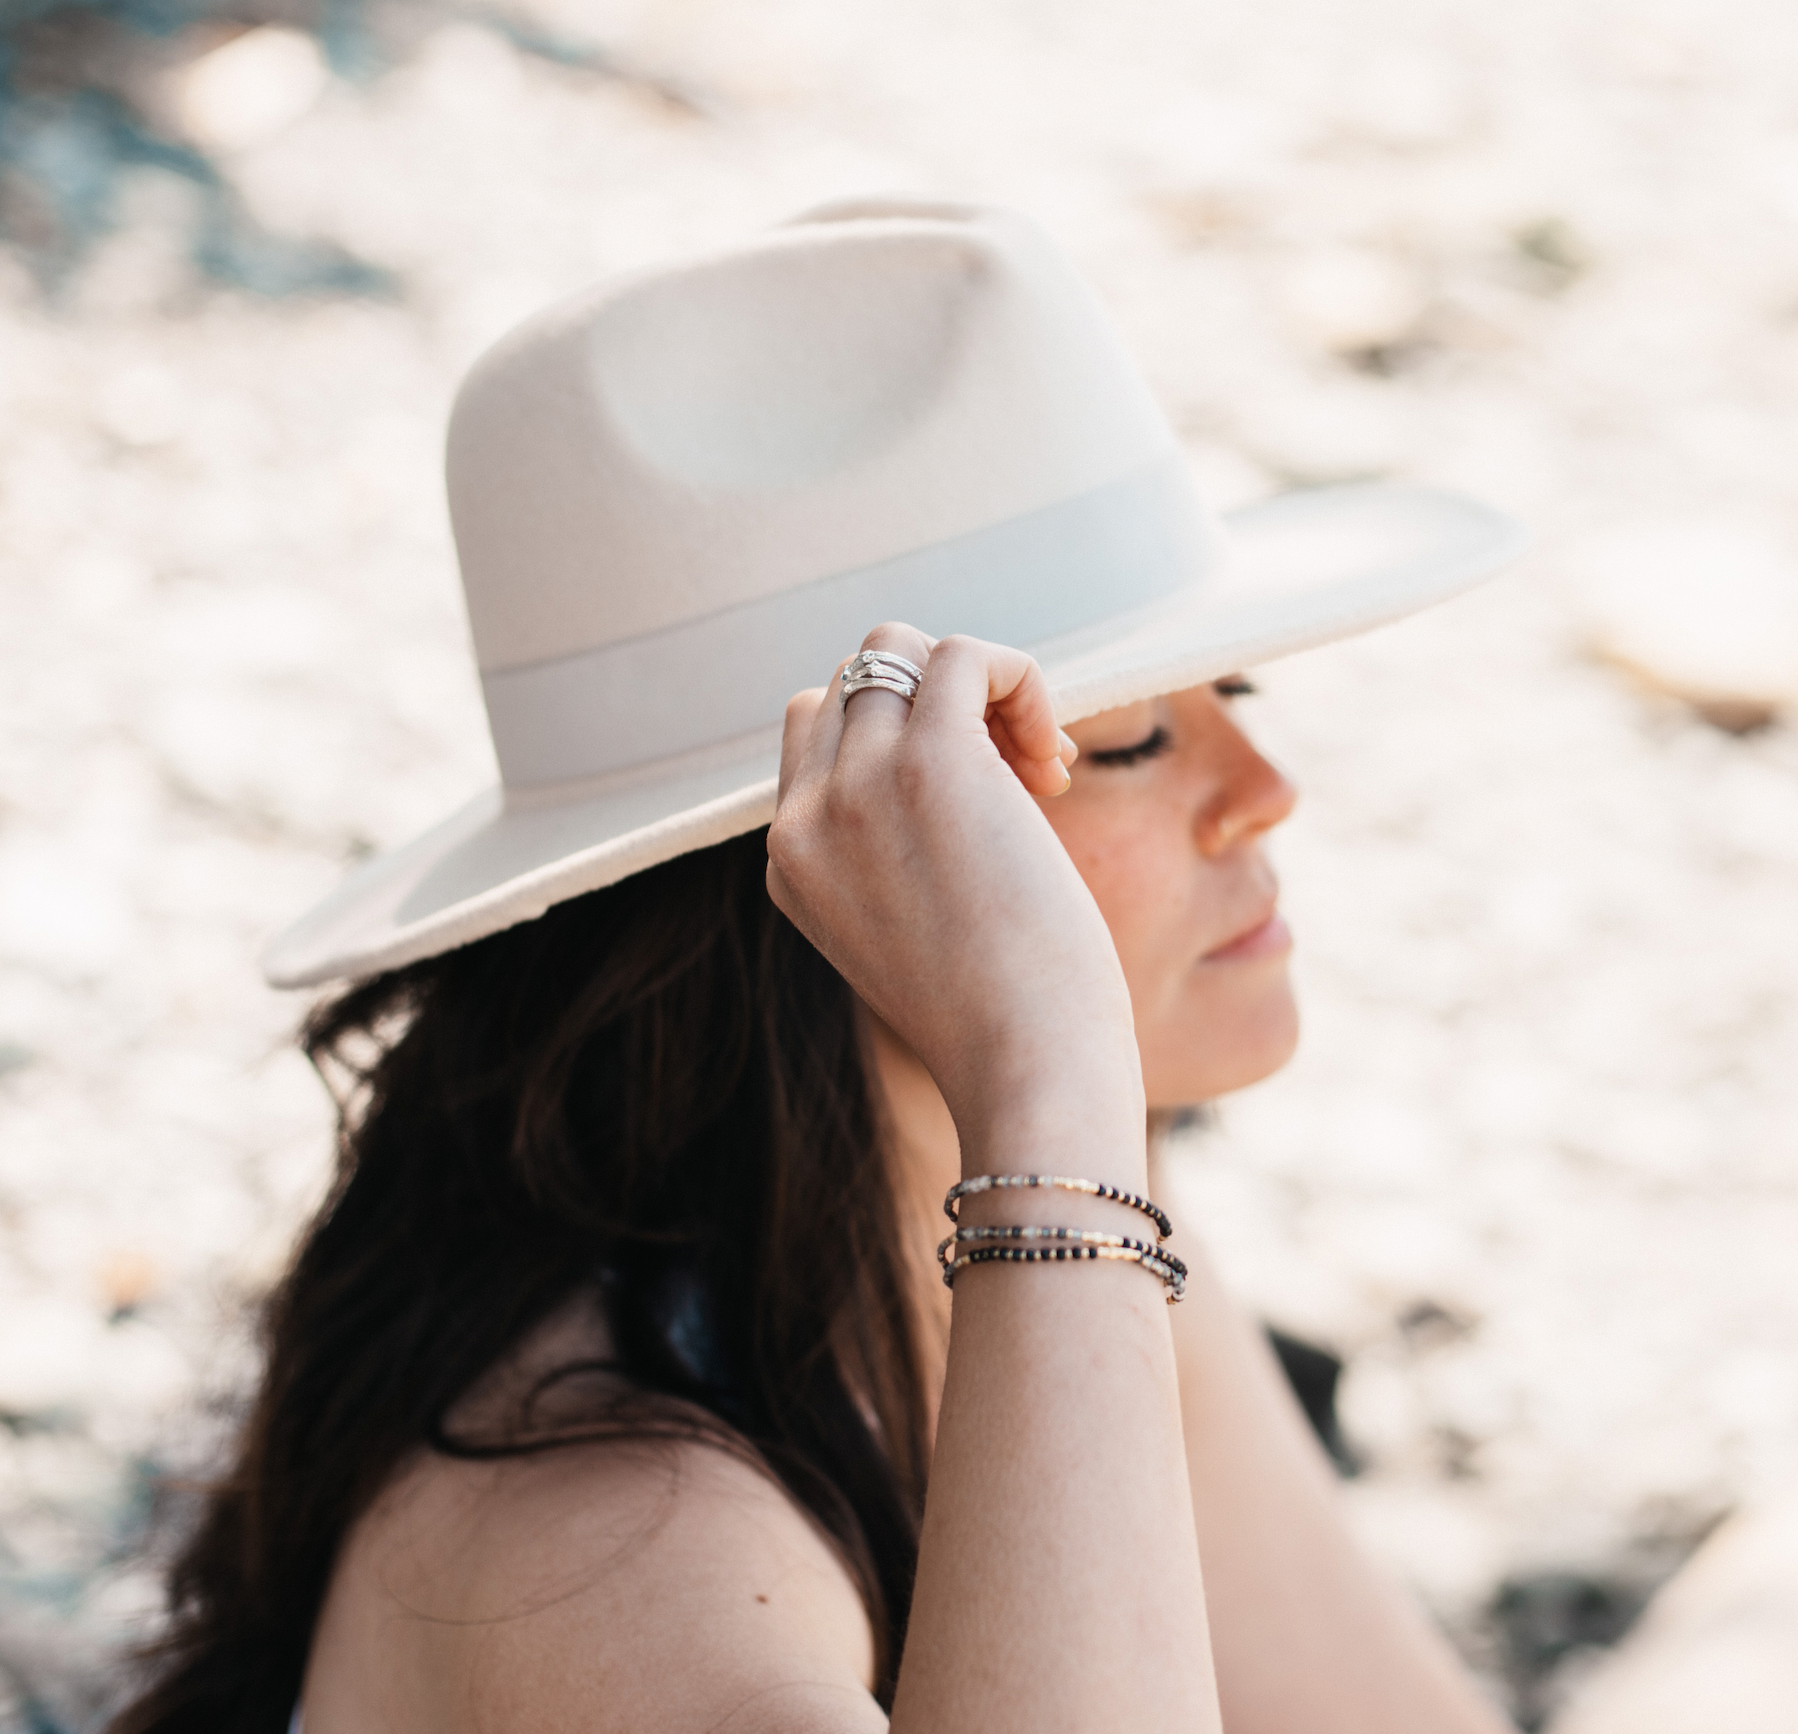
1133 873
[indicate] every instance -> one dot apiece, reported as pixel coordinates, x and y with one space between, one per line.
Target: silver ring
882 669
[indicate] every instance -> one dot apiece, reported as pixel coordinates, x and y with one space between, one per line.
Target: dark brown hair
658 1089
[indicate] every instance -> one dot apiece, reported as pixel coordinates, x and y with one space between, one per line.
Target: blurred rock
1704 610
252 87
142 405
1352 300
1551 254
127 1278
1406 96
1549 1618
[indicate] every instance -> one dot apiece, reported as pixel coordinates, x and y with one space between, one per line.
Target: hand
908 848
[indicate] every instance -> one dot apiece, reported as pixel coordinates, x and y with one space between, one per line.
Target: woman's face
1165 819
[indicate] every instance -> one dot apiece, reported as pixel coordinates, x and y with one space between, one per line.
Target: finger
1040 776
1068 752
1004 687
1045 777
969 676
873 719
805 710
808 746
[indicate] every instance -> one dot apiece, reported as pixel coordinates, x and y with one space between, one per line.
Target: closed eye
1152 746
1234 686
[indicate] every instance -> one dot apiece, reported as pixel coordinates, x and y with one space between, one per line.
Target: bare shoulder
629 1585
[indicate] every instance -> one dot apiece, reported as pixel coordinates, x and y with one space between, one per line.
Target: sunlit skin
1165 815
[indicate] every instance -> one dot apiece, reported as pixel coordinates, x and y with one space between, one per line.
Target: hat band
1029 579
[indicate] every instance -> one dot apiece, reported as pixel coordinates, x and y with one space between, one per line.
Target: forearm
1058 1583
1309 1636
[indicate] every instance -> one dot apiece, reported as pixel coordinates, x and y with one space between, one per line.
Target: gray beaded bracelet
1093 1188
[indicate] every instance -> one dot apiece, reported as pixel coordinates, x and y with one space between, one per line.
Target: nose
1251 797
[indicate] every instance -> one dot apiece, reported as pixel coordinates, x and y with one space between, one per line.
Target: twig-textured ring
880 668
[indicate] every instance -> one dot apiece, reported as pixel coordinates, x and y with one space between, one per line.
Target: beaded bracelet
1093 1188
1077 1236
1156 1264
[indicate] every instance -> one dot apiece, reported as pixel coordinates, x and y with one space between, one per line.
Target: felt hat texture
681 497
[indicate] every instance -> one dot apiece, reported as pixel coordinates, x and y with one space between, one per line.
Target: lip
1269 937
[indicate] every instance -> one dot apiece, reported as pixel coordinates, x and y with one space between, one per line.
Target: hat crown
760 378
856 386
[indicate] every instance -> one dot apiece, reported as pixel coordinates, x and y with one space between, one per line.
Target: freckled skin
1171 847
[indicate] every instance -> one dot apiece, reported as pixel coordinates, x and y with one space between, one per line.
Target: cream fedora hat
681 497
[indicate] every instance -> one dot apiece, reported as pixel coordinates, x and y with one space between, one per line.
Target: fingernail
1066 780
1069 752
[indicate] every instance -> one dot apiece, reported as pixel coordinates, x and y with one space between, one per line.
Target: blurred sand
1536 1169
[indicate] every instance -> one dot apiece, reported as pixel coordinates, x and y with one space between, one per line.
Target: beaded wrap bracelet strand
1171 1279
1065 1183
1078 1236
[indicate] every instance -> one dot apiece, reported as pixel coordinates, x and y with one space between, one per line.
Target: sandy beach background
1535 1172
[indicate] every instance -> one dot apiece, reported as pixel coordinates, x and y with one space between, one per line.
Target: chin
1223 1050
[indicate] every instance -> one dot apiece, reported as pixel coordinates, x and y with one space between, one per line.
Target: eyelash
1157 743
1159 740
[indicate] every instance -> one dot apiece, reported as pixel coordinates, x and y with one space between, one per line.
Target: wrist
1081 1115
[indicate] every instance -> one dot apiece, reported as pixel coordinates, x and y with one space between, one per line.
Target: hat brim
1307 568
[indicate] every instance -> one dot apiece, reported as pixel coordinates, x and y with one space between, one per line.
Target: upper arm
628 1586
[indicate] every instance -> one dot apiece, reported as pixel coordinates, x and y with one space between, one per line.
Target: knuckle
897 636
788 842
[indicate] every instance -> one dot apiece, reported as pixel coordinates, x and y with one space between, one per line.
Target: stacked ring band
882 669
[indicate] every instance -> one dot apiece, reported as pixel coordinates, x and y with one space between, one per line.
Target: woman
618 1383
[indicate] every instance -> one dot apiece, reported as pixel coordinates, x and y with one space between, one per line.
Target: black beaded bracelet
1072 1236
1155 1263
1093 1188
